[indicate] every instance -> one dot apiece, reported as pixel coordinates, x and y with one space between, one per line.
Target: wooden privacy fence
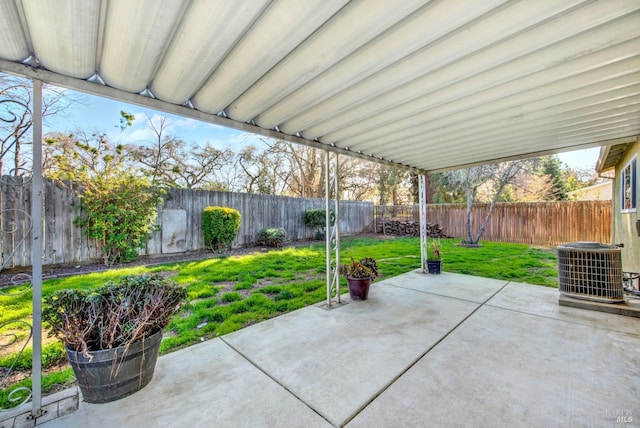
180 219
536 223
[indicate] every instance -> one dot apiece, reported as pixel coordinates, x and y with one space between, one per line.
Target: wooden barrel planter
112 374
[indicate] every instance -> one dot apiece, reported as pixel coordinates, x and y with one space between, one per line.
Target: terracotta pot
358 288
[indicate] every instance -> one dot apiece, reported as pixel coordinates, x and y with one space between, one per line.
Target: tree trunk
469 217
485 222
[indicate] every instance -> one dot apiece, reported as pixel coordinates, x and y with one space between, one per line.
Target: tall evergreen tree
553 168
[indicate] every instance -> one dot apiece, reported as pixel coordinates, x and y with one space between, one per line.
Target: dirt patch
467 245
226 286
168 273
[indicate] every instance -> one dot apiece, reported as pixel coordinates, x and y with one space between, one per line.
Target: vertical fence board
64 243
544 223
534 223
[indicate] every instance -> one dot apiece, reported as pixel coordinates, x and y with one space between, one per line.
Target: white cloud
137 136
186 123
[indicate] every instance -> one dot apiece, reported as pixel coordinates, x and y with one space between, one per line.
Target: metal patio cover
431 85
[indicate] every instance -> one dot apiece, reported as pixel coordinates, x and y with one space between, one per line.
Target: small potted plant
113 333
359 276
434 257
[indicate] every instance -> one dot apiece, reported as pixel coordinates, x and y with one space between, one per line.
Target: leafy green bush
316 218
119 212
220 226
272 237
119 205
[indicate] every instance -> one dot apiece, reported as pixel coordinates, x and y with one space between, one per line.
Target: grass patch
53 381
260 286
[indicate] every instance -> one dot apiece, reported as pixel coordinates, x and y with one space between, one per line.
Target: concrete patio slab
504 368
424 350
463 287
205 385
543 301
336 361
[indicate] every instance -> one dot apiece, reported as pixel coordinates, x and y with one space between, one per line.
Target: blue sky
103 115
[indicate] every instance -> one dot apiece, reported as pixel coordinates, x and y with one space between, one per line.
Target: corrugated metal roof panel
428 84
14 44
64 35
195 51
281 28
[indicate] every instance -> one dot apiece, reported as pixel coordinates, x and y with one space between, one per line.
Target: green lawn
229 293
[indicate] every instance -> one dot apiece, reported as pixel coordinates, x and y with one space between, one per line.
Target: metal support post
36 251
332 235
336 229
327 236
423 222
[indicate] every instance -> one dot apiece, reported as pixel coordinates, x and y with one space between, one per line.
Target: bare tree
301 171
16 119
391 180
493 179
531 187
303 168
170 161
358 178
262 171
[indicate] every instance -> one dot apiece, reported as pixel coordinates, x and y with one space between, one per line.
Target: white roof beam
154 103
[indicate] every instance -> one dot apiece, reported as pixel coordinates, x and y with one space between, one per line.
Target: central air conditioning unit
591 271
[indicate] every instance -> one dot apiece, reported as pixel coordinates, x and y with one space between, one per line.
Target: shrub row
221 224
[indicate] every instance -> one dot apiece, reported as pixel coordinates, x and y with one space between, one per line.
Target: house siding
624 223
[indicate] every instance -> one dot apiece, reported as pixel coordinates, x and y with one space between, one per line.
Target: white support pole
333 231
337 227
36 251
327 235
423 222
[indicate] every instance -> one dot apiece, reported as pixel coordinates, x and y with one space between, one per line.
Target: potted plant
112 334
434 257
359 276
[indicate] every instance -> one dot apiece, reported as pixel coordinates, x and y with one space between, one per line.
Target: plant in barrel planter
434 257
359 276
113 333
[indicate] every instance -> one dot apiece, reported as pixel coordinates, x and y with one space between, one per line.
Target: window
629 182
